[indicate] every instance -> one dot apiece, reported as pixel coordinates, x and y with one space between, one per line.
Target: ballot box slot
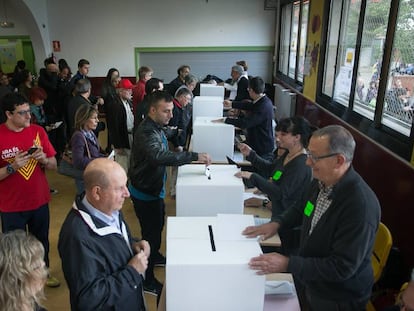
210 231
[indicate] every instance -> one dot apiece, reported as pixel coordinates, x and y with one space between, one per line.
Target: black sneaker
153 287
160 261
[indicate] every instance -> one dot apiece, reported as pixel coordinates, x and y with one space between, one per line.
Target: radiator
285 102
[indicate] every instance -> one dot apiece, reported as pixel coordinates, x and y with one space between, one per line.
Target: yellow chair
382 247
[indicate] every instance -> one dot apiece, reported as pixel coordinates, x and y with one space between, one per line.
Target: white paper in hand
279 288
57 124
111 155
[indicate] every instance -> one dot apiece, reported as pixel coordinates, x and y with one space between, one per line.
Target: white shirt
129 114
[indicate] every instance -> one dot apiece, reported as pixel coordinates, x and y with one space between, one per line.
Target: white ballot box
217 139
199 195
207 265
207 106
211 90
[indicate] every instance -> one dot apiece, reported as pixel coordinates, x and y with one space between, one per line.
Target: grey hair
238 69
82 86
190 79
340 140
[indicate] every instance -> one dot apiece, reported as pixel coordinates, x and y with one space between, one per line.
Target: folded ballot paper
279 288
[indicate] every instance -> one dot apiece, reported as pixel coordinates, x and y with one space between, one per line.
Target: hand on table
221 120
265 231
243 174
269 263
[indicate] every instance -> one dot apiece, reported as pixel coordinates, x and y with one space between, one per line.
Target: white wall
106 32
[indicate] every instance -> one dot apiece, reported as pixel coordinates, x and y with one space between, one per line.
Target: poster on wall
349 57
8 57
56 46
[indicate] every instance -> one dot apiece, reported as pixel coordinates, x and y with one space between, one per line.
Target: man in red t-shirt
25 153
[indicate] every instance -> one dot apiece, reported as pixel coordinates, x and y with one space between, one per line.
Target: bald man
103 265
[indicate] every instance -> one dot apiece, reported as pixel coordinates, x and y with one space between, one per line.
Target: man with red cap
121 123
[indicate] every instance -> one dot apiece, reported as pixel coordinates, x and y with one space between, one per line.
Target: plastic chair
382 247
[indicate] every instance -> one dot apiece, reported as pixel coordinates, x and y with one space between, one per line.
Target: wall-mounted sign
56 46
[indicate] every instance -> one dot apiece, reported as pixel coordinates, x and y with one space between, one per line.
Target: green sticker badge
277 175
308 208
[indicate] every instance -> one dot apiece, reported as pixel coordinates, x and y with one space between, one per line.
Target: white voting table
199 195
207 265
217 139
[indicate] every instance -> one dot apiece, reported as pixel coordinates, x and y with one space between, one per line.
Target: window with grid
357 32
399 96
293 31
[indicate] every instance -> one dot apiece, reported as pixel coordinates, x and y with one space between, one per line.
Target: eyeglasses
23 112
314 158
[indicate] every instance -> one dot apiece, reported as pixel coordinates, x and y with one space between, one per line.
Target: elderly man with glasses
339 214
25 154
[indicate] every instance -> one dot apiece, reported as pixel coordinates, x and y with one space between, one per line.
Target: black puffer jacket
150 156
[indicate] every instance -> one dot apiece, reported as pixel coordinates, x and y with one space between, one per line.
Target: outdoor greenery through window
399 97
343 47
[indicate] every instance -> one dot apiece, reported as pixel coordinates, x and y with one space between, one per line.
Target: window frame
375 129
295 82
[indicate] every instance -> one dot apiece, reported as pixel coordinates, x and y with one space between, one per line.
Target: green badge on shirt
277 175
308 209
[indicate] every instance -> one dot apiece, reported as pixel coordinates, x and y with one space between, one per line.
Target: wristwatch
10 169
265 202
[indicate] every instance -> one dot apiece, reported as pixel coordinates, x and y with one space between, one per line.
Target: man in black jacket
340 216
120 120
147 173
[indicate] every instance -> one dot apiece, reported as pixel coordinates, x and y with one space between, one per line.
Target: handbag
66 167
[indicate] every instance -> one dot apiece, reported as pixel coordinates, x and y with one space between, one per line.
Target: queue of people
325 213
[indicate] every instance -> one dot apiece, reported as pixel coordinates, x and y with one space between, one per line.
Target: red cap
125 84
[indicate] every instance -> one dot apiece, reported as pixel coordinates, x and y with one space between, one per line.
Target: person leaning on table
147 174
290 174
340 216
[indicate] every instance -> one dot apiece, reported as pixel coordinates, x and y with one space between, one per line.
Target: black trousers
310 302
151 215
35 221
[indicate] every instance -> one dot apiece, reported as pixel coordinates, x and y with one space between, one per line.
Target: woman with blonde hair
23 272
